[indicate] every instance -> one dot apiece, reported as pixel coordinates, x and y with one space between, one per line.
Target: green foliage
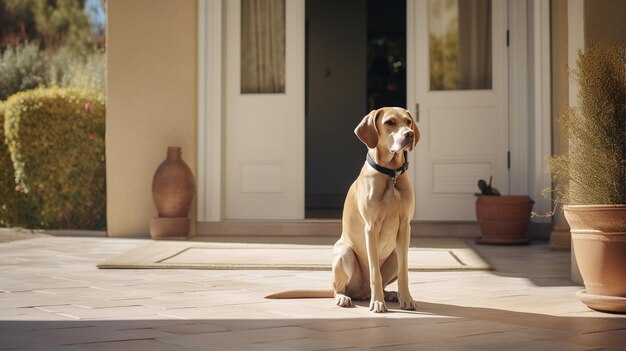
18 21
67 69
26 67
14 209
51 43
487 189
7 185
56 140
50 176
52 23
65 23
593 169
21 68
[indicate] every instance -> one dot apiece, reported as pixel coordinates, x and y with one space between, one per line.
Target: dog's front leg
402 245
377 301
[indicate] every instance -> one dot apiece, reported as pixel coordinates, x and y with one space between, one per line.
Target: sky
96 12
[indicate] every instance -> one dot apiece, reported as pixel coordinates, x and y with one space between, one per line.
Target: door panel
459 82
264 115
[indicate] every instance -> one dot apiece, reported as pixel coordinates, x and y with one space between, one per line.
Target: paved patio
52 297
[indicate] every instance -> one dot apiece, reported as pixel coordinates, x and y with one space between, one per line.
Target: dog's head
391 127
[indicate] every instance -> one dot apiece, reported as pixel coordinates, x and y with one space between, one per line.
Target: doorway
291 154
355 62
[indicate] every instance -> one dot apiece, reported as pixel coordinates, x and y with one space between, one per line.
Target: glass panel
459 44
262 46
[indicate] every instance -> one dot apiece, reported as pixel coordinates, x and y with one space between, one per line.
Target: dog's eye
390 122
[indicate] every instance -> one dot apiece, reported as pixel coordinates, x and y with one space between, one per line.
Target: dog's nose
409 134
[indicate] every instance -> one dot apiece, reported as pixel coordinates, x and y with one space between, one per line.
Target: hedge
7 183
56 140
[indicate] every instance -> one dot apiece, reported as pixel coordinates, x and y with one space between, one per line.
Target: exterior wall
604 22
151 102
151 57
560 238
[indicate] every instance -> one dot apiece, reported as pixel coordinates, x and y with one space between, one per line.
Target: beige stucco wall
559 89
605 22
151 102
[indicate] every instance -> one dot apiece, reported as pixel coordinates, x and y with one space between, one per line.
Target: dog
373 249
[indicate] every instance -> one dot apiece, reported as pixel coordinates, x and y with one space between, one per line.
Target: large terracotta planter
503 220
599 242
172 192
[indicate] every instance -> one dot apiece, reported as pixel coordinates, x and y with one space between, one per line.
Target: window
262 46
459 44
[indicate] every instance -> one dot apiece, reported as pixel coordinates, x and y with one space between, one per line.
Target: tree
51 23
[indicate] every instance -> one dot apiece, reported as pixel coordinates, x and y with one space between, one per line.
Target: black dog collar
393 173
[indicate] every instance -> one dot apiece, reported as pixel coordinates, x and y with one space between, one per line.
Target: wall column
151 103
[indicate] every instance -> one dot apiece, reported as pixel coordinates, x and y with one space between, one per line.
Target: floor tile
52 297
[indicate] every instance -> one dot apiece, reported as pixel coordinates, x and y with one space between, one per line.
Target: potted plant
592 175
502 220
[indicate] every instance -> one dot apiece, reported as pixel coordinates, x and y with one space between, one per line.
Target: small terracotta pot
503 220
599 242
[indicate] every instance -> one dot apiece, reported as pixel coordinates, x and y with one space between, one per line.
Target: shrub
56 140
592 171
68 69
7 183
25 67
14 209
21 68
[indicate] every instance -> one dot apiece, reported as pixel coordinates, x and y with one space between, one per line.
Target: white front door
264 114
458 90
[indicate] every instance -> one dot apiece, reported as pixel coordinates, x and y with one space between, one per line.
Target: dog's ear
367 131
416 131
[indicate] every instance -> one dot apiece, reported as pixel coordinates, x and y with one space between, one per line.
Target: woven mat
425 254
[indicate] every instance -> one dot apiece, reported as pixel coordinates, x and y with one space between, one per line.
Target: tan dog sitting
373 248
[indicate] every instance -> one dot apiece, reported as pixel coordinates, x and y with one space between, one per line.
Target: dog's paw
343 300
391 296
377 306
408 304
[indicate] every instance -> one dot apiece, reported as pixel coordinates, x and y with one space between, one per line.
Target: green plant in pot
592 175
502 220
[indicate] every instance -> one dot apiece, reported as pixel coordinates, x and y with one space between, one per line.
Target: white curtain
262 46
475 44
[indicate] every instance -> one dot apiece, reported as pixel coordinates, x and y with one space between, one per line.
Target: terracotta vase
503 220
172 192
599 242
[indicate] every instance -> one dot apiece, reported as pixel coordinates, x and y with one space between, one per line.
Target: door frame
209 182
527 117
530 112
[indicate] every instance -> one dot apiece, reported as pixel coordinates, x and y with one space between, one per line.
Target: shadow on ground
452 326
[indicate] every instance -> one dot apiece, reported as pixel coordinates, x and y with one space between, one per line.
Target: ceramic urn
172 192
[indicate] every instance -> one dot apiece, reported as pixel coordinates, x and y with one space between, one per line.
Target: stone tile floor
52 297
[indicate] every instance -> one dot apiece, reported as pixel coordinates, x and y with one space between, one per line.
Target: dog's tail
302 294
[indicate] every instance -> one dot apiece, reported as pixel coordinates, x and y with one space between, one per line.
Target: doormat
425 254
